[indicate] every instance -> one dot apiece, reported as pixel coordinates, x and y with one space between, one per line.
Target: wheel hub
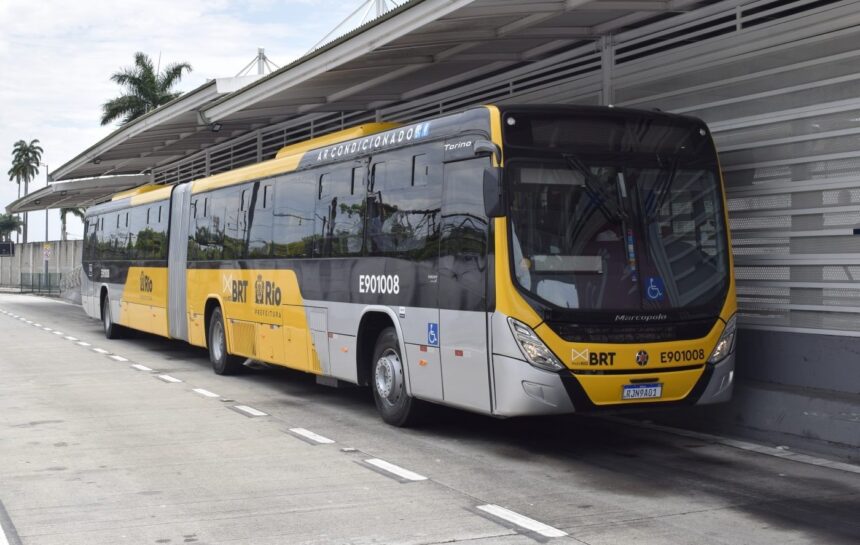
217 340
389 376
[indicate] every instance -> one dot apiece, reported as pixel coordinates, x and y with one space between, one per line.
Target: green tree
26 159
144 89
9 224
78 212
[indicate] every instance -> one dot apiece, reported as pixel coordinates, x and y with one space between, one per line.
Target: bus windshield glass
616 214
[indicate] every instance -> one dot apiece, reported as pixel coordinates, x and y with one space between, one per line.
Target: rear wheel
389 385
112 330
222 362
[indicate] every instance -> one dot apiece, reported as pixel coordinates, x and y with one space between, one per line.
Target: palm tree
9 224
26 159
78 212
144 89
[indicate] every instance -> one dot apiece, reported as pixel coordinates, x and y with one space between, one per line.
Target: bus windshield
632 224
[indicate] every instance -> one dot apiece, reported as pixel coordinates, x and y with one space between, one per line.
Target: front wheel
222 362
389 385
112 329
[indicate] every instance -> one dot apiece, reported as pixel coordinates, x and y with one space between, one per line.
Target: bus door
462 286
403 224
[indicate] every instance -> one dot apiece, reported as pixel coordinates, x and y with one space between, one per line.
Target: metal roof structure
164 134
421 49
75 194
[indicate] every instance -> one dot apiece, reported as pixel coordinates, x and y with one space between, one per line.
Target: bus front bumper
521 389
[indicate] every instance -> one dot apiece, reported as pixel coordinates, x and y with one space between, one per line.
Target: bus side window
100 239
295 197
216 204
197 230
339 223
260 222
403 208
135 218
234 236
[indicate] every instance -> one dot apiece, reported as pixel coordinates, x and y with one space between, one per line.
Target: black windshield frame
703 158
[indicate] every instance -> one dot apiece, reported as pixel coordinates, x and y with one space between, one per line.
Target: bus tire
388 382
222 362
112 329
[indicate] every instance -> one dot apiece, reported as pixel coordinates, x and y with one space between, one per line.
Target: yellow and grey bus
510 260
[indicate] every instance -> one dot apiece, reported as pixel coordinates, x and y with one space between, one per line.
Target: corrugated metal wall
782 96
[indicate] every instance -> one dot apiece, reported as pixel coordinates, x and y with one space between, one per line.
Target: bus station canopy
420 49
75 194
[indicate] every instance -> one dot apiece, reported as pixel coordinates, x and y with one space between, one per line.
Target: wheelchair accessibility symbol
656 289
433 334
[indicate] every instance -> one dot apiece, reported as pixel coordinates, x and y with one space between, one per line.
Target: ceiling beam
610 5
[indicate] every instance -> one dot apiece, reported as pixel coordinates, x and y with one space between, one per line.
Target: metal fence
41 283
25 271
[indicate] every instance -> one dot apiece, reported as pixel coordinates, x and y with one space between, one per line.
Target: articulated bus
510 260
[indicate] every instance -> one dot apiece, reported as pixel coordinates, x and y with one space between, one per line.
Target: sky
56 59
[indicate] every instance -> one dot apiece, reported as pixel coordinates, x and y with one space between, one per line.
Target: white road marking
58 333
312 436
70 338
101 351
29 321
395 470
205 393
47 329
249 410
522 521
140 367
37 325
118 358
168 378
82 343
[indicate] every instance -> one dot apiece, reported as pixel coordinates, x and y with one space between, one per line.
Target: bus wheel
222 362
112 330
389 389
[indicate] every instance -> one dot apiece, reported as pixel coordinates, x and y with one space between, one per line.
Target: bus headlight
726 344
534 350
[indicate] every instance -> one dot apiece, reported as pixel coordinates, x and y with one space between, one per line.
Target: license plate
642 391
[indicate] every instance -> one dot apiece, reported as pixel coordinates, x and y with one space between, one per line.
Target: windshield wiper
662 190
594 189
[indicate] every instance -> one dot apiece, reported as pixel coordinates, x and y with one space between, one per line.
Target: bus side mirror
485 147
494 199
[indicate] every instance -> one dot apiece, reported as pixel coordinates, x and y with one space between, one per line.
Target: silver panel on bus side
180 203
465 363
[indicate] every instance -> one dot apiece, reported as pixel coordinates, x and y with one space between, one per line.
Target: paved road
95 451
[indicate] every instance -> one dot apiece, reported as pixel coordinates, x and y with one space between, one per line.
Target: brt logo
240 291
587 357
266 292
145 283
